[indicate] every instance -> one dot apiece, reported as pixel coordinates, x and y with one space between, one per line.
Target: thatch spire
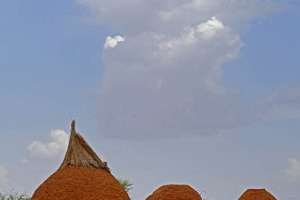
80 154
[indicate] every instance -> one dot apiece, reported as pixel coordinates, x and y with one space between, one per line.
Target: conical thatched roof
82 175
255 194
175 192
80 154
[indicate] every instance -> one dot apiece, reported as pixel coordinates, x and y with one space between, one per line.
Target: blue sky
204 93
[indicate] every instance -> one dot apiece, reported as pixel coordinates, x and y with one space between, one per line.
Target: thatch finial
73 125
79 153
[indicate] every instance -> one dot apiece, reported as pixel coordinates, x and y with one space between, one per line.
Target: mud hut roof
82 175
174 192
253 194
80 154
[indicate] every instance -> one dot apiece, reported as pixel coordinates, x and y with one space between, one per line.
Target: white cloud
166 79
158 85
209 28
293 170
57 146
3 174
135 17
112 42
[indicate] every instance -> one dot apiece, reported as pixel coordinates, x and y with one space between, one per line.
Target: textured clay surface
86 183
257 194
175 192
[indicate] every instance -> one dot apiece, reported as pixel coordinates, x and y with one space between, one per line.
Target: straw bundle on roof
82 175
255 194
80 154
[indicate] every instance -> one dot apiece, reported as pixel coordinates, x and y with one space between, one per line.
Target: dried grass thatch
80 154
82 175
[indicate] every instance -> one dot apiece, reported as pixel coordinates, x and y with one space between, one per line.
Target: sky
197 92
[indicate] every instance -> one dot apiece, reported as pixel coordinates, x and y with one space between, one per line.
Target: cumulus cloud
112 42
293 170
134 17
3 174
166 79
57 146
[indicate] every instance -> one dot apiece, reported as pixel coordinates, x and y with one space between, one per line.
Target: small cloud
3 174
112 42
57 146
293 170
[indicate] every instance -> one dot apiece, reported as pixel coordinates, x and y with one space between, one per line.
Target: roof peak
80 154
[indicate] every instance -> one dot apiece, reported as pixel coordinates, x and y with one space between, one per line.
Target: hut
257 194
82 175
175 192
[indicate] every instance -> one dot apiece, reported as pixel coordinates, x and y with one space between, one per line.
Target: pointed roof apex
73 125
80 154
